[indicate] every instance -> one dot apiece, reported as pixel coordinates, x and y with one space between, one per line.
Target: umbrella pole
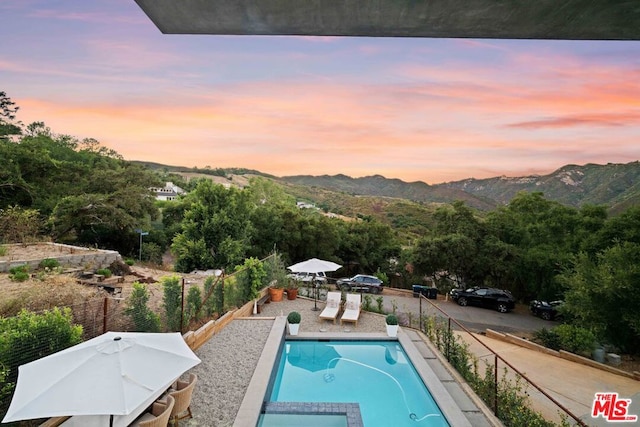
315 293
111 421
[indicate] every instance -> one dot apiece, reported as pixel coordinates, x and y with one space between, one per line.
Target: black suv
546 310
484 297
360 282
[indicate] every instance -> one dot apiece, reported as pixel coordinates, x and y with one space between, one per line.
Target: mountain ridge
612 184
616 185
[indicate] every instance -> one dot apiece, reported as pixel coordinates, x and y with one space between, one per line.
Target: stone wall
68 256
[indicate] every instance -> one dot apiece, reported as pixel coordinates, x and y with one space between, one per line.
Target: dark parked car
546 310
360 282
484 297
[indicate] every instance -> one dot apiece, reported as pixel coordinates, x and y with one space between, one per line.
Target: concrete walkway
572 384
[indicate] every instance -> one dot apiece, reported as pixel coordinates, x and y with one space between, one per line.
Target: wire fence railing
512 396
33 334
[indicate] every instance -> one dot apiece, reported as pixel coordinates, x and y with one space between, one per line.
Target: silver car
360 282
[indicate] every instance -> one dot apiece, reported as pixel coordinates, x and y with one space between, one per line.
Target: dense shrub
294 317
567 337
193 303
575 339
49 263
19 273
143 318
547 338
152 252
251 277
391 319
172 302
30 336
104 272
275 270
214 294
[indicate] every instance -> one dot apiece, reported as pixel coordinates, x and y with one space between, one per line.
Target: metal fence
96 315
510 394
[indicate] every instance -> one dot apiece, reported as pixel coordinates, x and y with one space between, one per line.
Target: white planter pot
392 330
293 328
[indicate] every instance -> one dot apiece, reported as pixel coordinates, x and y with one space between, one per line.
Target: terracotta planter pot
276 294
292 294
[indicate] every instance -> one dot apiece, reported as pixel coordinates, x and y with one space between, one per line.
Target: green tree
137 308
172 302
251 277
601 294
18 225
194 303
216 227
368 244
212 303
455 247
541 236
621 228
275 270
8 110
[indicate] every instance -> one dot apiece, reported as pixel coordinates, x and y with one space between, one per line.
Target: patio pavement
230 357
572 384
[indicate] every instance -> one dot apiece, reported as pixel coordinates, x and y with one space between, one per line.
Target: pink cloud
433 131
607 120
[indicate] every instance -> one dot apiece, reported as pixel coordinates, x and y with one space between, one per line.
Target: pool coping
253 402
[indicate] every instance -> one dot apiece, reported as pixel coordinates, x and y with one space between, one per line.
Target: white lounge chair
332 308
351 309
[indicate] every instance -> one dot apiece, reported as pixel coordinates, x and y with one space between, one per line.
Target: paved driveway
474 318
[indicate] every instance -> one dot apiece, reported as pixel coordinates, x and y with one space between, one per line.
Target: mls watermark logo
612 408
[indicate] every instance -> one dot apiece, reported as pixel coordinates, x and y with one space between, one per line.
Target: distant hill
613 185
204 171
384 187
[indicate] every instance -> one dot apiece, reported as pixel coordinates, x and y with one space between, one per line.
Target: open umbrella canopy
314 265
112 374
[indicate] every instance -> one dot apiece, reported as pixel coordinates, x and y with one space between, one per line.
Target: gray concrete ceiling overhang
504 19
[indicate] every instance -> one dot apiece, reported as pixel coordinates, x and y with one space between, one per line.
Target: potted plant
276 277
276 291
392 325
293 322
292 289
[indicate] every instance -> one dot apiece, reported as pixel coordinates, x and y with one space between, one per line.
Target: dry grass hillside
45 290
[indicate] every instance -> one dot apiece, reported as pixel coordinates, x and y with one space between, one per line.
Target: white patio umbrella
113 374
314 265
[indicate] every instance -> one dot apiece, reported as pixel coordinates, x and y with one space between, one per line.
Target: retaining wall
68 256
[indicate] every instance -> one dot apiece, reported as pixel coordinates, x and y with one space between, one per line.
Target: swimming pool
377 375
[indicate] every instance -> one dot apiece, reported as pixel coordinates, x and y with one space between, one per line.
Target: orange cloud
429 129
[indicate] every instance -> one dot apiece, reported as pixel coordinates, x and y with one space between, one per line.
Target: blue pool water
376 374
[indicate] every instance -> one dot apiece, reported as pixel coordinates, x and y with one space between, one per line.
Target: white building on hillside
169 192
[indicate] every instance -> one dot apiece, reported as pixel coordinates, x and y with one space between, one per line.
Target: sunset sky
433 110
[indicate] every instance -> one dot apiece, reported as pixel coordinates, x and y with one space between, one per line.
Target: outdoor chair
182 395
352 309
159 415
332 308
